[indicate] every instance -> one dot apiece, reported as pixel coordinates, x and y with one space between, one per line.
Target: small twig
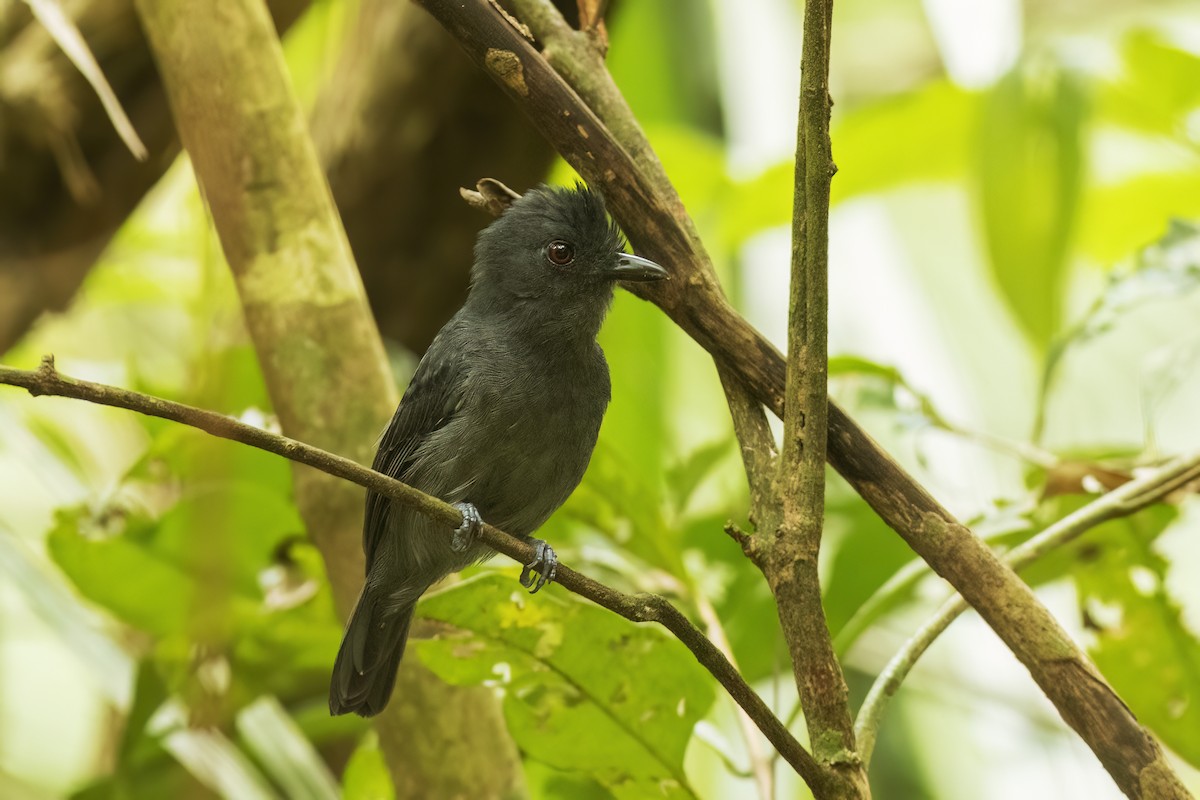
1120 502
642 607
760 762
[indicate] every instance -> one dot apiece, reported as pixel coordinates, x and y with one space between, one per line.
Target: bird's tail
365 670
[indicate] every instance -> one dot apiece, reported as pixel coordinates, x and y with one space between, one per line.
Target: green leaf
120 574
1030 171
919 137
366 776
1122 217
1140 641
866 553
586 689
1159 87
686 476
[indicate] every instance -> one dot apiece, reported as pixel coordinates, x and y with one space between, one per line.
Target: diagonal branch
1123 501
642 607
661 230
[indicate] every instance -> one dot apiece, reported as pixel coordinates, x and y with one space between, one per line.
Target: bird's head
554 256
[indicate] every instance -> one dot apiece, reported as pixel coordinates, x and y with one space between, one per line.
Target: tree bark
320 352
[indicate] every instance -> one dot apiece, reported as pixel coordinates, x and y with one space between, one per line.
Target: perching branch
660 230
642 607
1123 501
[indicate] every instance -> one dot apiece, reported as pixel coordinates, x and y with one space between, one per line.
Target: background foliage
1015 256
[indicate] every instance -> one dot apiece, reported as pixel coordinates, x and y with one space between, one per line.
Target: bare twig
643 607
761 764
1120 502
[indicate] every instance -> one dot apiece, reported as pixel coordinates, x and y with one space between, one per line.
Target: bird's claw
542 569
464 534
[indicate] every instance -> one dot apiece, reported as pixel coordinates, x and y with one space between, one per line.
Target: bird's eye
560 253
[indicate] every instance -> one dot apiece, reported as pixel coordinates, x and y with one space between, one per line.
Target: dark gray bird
500 419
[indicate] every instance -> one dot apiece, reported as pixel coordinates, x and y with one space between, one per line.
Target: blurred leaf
366 776
1166 269
227 533
740 596
1122 217
150 692
94 564
918 137
1159 87
54 603
286 756
586 690
213 759
615 501
1141 643
549 783
866 553
1029 166
686 476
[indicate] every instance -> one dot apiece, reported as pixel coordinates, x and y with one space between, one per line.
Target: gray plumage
502 414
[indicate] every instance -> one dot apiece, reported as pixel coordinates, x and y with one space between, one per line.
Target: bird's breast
542 429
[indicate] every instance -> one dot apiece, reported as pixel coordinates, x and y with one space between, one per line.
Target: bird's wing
431 400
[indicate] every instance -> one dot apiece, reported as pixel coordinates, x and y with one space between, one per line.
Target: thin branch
643 607
1120 502
761 764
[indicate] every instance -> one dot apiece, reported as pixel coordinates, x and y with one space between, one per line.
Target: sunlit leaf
1119 218
1159 86
586 689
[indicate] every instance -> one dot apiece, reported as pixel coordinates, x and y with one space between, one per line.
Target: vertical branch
321 356
789 558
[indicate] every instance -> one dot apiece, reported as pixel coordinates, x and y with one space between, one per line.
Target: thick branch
659 229
637 608
1127 499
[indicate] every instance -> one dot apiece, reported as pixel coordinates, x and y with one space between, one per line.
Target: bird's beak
636 269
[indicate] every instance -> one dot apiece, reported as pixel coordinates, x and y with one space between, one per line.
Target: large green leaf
585 689
115 571
1030 171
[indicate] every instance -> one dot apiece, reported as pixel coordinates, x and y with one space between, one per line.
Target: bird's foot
542 569
466 533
